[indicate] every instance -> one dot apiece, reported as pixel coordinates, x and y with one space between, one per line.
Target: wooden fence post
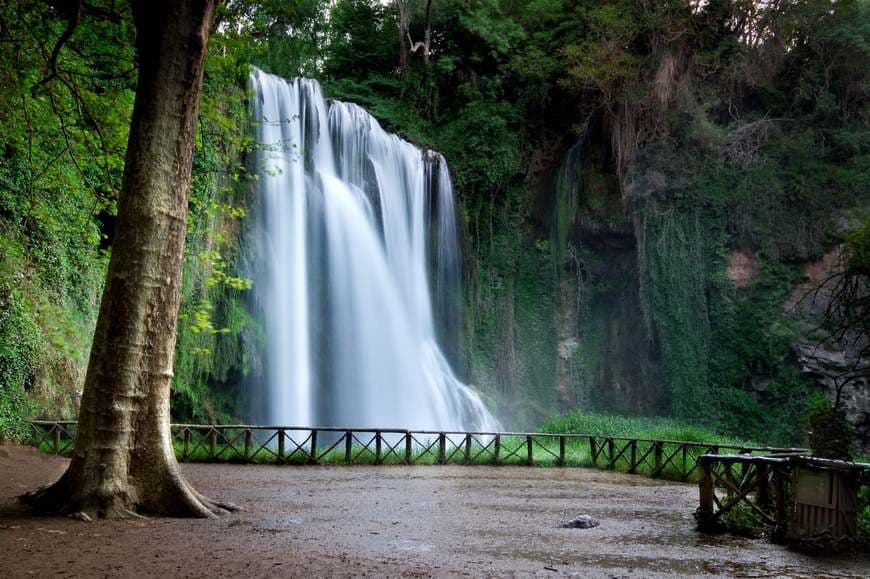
497 449
763 497
408 452
561 450
212 443
744 468
56 438
779 498
686 471
313 454
378 447
186 448
632 467
281 436
530 460
247 444
348 447
657 458
593 450
442 448
707 494
467 449
611 462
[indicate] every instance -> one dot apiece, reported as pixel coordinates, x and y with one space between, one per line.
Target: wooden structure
670 459
798 497
826 498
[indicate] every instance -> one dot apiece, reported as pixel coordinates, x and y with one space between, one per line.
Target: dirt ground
393 521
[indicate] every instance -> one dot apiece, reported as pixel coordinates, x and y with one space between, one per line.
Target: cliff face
831 368
669 292
555 313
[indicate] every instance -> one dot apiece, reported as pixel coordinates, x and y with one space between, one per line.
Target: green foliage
831 434
283 36
655 428
857 258
211 357
484 146
744 521
61 156
761 393
20 355
697 144
673 279
510 314
362 40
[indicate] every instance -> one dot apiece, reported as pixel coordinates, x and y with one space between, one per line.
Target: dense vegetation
644 188
650 428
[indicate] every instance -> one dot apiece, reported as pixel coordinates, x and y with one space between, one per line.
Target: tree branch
74 15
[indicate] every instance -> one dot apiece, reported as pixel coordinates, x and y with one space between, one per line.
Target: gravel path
394 521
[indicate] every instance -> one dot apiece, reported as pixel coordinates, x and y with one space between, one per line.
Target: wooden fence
243 443
795 496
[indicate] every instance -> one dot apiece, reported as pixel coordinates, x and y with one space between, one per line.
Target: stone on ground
581 522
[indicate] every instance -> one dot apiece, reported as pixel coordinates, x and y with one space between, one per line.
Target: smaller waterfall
352 218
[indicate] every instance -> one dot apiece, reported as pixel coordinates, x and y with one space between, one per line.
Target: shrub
831 434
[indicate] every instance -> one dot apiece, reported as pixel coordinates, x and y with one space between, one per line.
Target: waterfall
351 222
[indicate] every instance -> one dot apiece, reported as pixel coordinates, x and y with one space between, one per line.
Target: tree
124 461
427 35
404 23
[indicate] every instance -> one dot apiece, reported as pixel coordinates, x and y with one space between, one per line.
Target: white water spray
350 217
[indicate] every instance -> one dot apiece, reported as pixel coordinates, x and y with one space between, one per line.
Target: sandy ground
394 521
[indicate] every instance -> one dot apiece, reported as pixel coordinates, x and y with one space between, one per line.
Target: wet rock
580 522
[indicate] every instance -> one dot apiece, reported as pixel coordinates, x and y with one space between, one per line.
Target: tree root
200 506
182 500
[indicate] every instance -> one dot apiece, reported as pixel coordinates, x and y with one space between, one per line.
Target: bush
831 434
20 354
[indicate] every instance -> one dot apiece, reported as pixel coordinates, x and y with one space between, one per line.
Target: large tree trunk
427 36
404 18
123 461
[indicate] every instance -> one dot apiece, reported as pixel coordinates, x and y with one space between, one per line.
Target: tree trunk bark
124 461
427 37
404 17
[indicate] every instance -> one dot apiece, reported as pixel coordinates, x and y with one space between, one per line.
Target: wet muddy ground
394 521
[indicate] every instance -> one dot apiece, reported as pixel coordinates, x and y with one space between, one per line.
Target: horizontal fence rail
245 443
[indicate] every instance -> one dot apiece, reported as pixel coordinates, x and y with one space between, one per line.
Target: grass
656 428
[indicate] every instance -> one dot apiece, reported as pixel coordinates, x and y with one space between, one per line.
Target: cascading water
350 218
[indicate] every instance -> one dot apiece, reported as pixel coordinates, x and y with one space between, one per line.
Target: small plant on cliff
831 433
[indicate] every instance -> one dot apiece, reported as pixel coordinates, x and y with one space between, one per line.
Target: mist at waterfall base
355 227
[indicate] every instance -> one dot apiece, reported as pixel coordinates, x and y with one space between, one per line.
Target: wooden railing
760 483
772 490
244 443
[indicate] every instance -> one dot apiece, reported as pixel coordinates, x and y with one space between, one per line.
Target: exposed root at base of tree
180 500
